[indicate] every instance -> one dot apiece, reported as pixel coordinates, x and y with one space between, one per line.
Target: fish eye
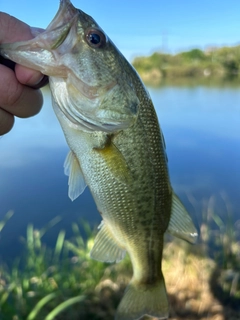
95 38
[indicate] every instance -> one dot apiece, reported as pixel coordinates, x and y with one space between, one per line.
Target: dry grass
189 279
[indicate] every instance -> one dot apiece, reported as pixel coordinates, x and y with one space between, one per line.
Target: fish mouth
40 53
65 14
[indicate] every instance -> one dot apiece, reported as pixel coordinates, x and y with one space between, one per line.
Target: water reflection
201 128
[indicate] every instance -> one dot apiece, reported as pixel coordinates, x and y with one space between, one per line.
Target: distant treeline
214 62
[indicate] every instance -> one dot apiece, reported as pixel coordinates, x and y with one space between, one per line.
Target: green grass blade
32 315
64 305
7 216
86 227
73 248
30 237
219 222
50 224
75 229
6 294
59 244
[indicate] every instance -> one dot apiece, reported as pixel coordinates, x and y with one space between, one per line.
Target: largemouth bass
116 149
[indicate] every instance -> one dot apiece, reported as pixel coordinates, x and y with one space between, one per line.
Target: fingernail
40 83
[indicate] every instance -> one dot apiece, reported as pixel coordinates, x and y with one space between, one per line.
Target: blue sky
141 27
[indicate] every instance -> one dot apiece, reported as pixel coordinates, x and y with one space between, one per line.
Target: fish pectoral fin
105 247
76 181
181 224
115 162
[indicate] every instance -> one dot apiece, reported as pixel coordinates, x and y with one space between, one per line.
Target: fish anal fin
139 301
105 247
181 224
115 161
76 181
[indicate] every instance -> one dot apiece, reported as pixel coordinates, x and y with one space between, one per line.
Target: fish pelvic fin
139 301
181 224
105 247
76 180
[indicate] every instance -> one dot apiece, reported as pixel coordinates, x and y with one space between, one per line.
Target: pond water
201 126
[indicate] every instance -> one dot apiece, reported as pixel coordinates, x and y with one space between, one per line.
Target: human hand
18 94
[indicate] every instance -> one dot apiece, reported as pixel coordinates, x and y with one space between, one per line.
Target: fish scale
116 149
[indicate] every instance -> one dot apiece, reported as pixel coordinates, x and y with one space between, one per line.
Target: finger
16 98
12 30
6 122
28 76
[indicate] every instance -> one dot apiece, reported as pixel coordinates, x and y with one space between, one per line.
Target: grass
52 283
203 281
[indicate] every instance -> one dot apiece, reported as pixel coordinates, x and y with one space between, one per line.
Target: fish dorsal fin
105 247
76 181
115 162
181 224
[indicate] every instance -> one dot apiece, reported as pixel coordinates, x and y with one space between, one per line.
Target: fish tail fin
140 300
